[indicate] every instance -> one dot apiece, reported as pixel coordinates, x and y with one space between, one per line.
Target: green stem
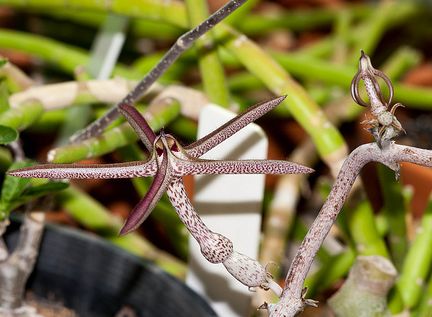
326 46
395 214
330 271
65 57
145 64
425 306
4 96
157 29
94 216
342 30
184 127
172 12
326 137
23 116
363 231
299 20
112 139
15 78
374 28
365 290
211 69
417 262
28 106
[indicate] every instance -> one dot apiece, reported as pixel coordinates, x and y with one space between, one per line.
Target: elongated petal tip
295 168
128 226
305 169
279 99
20 172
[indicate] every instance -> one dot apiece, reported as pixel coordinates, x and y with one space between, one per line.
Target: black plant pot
97 279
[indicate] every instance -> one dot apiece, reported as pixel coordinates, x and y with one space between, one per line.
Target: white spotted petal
86 171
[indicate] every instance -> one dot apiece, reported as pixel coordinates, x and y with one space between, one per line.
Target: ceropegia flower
384 125
167 162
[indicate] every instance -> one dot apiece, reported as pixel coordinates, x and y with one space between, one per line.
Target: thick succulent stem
16 268
365 291
211 68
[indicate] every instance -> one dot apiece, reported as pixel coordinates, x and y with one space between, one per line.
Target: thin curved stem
183 43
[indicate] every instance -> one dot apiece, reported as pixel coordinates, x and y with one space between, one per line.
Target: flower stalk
384 151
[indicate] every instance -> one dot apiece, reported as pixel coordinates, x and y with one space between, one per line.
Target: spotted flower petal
144 208
222 133
84 171
139 124
183 167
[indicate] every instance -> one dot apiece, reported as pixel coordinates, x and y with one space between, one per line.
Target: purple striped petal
219 135
84 171
139 124
182 167
146 205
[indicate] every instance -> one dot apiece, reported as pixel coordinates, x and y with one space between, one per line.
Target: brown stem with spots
292 301
182 44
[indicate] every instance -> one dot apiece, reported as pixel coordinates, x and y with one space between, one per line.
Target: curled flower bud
250 272
215 247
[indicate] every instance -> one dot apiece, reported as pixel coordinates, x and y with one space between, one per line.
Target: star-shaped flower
167 162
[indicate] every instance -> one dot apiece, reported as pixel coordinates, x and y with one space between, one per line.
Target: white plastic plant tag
230 205
107 46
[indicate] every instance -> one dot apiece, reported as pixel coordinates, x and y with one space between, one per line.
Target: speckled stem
183 43
291 301
214 247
